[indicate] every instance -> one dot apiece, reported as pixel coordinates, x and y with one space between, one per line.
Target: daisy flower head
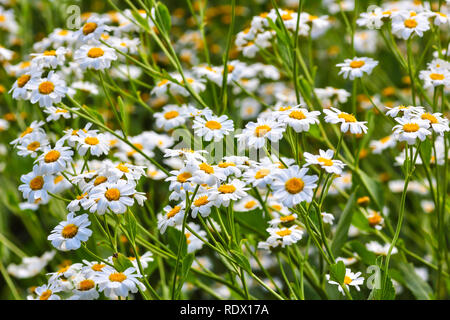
94 143
356 67
202 204
348 121
47 90
350 279
55 159
232 191
47 292
20 89
327 218
116 196
375 219
284 220
35 126
193 242
32 144
172 216
181 179
404 110
248 203
212 127
49 58
69 234
92 29
205 173
299 118
438 123
260 176
85 289
378 146
410 129
172 116
144 260
119 284
434 78
97 57
56 113
325 160
380 249
36 185
257 133
287 236
292 186
407 24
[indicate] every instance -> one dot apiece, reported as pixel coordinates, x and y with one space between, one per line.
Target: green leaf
121 263
241 260
163 17
374 189
123 116
185 267
131 225
425 151
343 225
337 272
420 289
387 292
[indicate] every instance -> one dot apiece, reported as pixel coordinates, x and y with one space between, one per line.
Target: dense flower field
258 149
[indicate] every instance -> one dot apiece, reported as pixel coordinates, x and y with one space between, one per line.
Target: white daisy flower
356 67
95 143
378 146
379 249
375 219
205 173
327 218
55 159
407 24
19 89
171 117
284 220
118 284
434 78
47 90
69 234
232 191
348 121
248 203
92 29
56 113
212 127
114 196
35 126
325 160
85 289
411 129
292 186
97 57
351 279
405 110
36 185
47 292
438 123
193 243
255 134
49 58
144 260
172 216
32 144
287 236
299 118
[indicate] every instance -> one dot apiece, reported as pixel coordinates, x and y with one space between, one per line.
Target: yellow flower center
92 141
69 231
46 87
262 173
33 146
27 131
50 53
284 232
298 115
45 295
436 76
97 267
99 180
411 127
294 185
429 117
171 114
173 212
250 204
347 280
82 196
357 64
63 32
374 219
52 156
37 183
89 28
117 277
347 117
226 164
23 80
213 125
95 53
227 188
206 168
325 162
86 285
182 177
410 23
288 218
112 194
122 167
262 130
201 201
58 179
